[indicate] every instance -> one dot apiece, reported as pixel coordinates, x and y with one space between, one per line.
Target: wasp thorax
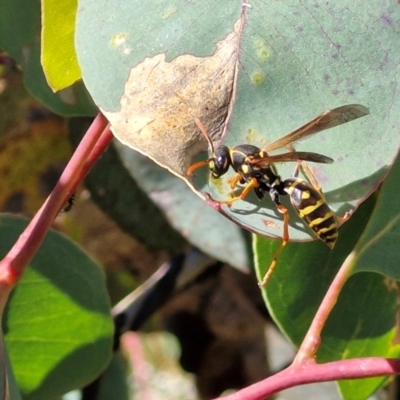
220 163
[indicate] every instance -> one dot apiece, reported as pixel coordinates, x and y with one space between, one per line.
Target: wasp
255 169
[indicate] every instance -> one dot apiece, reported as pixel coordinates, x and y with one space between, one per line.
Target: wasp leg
343 219
252 184
306 170
285 239
234 181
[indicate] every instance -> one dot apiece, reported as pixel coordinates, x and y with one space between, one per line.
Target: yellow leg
282 209
306 170
343 219
234 181
252 184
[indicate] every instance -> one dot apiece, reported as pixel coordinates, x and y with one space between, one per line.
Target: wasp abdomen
312 208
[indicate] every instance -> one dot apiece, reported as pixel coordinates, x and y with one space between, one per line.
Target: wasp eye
221 161
217 166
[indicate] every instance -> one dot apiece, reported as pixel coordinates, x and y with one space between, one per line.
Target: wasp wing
292 156
326 120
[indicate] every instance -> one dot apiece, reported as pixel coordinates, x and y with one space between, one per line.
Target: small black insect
70 203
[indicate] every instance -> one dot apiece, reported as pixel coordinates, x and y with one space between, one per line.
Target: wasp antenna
205 133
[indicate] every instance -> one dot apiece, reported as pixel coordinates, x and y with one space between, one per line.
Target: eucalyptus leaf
270 68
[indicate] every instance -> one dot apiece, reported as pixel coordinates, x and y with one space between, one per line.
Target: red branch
312 339
89 150
310 372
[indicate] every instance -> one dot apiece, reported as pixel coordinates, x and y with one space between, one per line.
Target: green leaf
8 383
303 273
57 324
58 49
363 320
376 251
269 67
23 44
114 383
362 324
377 248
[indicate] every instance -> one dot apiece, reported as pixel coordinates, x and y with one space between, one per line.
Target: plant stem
311 372
91 147
312 340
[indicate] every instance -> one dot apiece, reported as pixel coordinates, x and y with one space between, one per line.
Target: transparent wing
326 120
293 156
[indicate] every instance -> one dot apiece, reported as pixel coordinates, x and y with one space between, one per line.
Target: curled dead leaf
161 100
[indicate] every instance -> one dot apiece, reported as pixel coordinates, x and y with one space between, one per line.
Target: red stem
98 149
310 372
90 148
312 340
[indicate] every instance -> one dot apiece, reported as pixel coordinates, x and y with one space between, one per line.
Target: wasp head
220 162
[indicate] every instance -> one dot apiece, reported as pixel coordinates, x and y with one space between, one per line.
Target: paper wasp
255 169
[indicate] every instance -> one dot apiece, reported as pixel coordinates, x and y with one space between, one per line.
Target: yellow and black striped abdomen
312 208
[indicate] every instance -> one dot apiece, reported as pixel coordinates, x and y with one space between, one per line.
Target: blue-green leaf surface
263 68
